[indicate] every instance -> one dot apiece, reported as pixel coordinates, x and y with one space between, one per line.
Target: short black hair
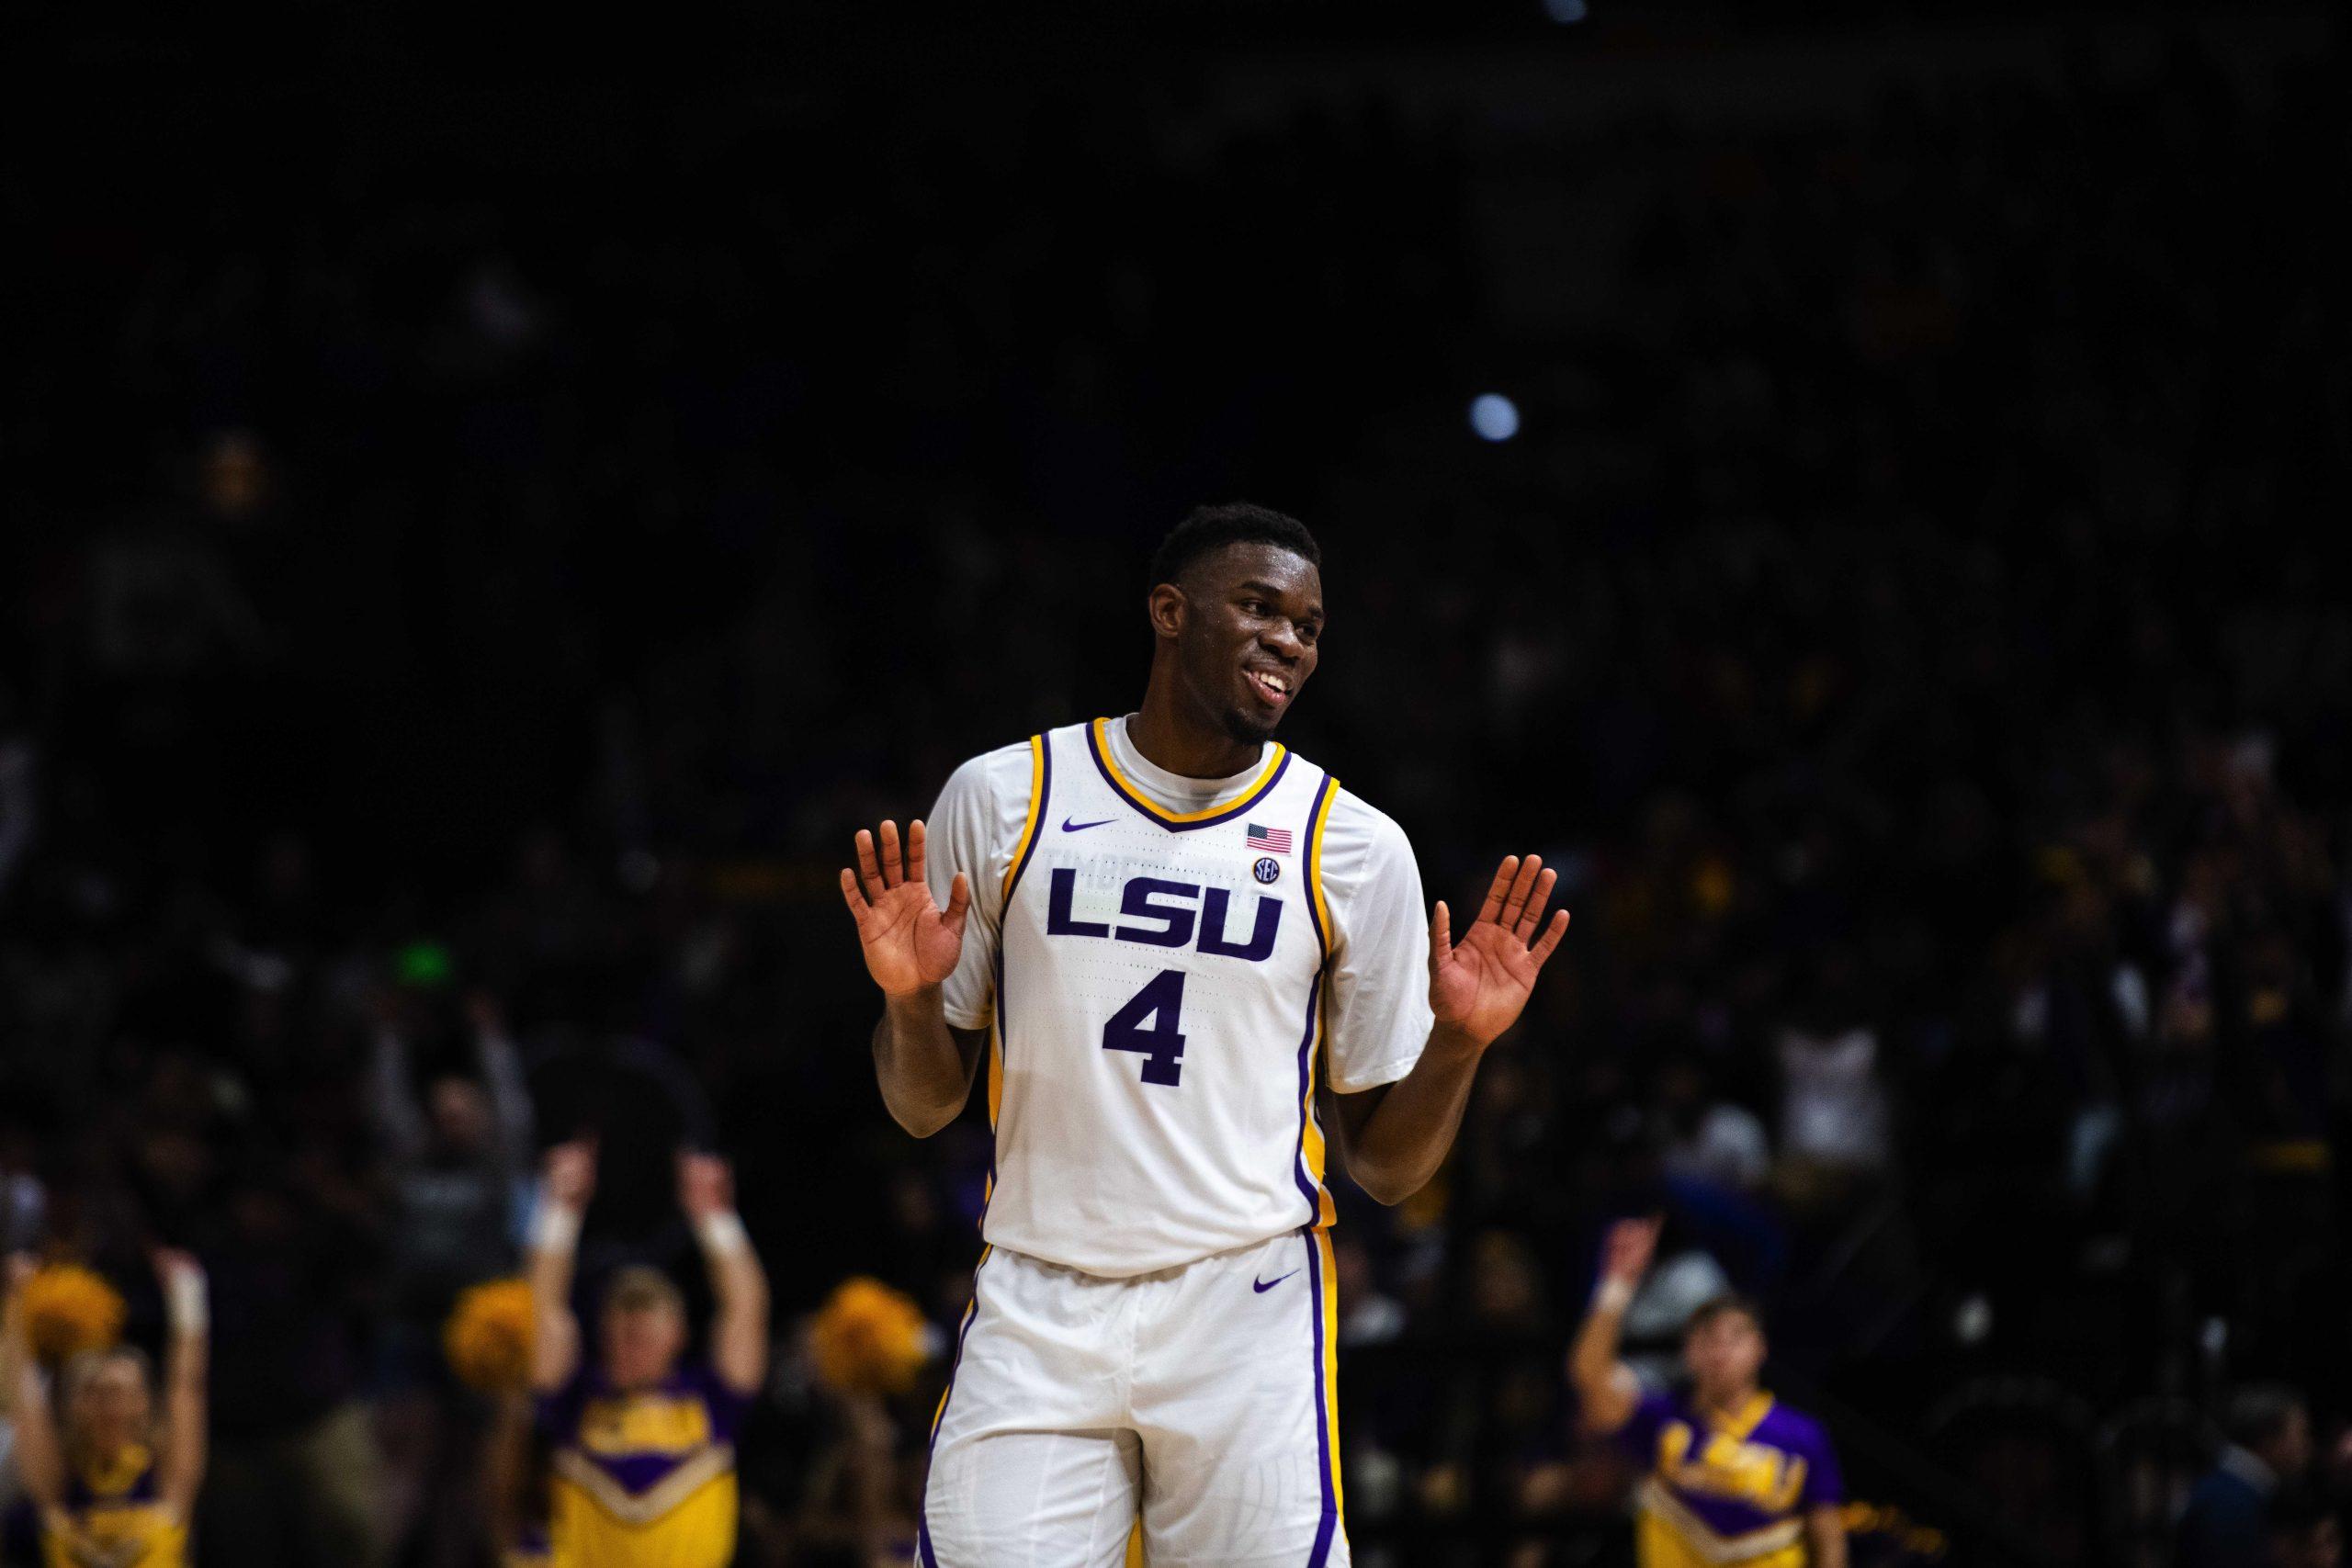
1716 1306
2255 1413
1207 528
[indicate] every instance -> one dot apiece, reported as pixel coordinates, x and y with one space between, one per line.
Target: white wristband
555 1227
185 1305
1613 1296
723 1233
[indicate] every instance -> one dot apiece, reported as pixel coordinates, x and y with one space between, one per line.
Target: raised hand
1626 1253
1479 985
910 941
173 1263
568 1174
706 1185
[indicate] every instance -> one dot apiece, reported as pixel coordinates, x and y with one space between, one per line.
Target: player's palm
1626 1253
1479 985
909 940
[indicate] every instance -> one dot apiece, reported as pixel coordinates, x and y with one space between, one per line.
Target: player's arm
567 1180
502 1075
924 1064
40 1461
505 1464
187 1317
1825 1535
739 1330
1605 1386
1398 1135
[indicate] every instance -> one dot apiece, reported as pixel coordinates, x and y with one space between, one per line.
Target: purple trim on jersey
1299 1159
1315 863
1037 809
145 1488
1323 1436
1004 1049
1314 998
1094 748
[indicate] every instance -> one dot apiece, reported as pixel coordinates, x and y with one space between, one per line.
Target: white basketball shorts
1199 1399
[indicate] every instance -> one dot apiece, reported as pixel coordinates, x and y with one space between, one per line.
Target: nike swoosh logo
1262 1286
1071 827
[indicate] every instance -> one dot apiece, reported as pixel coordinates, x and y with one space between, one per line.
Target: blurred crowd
459 600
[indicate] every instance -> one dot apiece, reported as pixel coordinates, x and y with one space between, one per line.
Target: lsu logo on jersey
1724 1466
1159 911
644 1424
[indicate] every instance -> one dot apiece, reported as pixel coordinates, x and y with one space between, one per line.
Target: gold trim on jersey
1695 1534
1312 1144
1747 1419
1315 859
1036 804
1144 803
713 1463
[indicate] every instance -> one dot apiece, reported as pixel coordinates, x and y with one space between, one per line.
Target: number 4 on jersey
1150 1025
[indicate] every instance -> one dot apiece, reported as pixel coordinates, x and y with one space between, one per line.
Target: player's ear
1166 608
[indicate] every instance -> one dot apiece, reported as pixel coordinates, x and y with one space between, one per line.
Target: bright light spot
1493 416
1973 1321
1565 11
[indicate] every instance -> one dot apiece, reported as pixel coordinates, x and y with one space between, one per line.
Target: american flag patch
1275 841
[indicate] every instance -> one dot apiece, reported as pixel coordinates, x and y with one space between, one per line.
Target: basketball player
1734 1477
1166 932
115 1483
643 1470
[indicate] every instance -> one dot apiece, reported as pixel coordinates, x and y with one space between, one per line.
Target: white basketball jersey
1157 1027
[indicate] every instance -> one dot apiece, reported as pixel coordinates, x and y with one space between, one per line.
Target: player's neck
1183 745
1728 1406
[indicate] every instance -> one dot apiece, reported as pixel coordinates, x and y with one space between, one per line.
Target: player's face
642 1344
111 1406
1726 1355
1253 614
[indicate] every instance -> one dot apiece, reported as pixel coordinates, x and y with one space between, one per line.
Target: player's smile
1269 686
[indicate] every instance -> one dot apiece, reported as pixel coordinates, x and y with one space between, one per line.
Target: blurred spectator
1709 1139
2266 1454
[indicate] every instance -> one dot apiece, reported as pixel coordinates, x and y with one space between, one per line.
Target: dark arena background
494 502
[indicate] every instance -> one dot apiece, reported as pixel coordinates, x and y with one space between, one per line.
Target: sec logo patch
1267 869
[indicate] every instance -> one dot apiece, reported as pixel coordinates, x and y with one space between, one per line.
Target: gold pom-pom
487 1336
867 1339
69 1310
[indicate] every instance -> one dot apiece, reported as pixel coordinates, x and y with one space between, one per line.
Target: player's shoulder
1795 1427
1005 768
1355 828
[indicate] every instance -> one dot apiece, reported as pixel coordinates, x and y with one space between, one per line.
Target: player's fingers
1533 916
1550 941
1441 934
914 851
1521 886
851 896
892 874
1500 886
869 870
959 901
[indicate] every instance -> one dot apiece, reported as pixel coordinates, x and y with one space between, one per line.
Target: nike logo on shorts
1071 827
1262 1286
